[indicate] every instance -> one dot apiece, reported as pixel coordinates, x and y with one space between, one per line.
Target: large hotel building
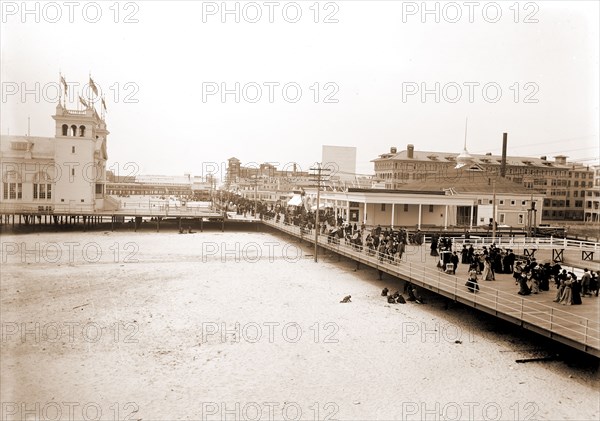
571 190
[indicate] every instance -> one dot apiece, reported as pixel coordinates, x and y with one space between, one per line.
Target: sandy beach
211 326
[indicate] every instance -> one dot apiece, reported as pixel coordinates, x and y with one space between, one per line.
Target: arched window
65 130
81 131
73 130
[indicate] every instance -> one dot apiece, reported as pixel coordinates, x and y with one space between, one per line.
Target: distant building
65 173
566 186
592 204
183 187
265 182
437 204
341 160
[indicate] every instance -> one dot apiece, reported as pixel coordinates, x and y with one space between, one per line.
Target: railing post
496 301
587 321
522 309
551 316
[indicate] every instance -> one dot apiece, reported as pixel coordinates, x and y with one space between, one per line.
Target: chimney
503 164
393 149
410 151
543 158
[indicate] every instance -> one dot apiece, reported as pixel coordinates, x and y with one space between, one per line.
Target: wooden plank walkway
577 326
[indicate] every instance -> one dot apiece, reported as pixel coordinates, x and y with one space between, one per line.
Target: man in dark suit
454 259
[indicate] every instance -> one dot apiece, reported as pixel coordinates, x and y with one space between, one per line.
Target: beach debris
536 359
457 342
346 299
83 305
356 402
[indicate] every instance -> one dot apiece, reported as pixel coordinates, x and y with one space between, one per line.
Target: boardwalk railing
533 242
578 331
136 209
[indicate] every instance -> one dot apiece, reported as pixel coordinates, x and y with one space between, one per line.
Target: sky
187 86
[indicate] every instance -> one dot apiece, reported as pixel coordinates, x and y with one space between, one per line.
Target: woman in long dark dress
576 292
434 245
523 287
472 284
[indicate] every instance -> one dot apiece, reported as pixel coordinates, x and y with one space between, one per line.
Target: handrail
523 309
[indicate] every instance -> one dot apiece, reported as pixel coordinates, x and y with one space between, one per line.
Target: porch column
446 218
419 224
393 208
365 212
348 211
471 222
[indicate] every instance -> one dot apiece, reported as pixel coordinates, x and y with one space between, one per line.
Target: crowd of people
389 246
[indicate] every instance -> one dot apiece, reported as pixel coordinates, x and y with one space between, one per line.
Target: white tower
80 159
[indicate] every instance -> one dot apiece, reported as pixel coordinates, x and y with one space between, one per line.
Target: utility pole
494 212
255 195
318 174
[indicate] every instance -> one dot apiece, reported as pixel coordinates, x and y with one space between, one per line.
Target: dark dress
523 287
576 293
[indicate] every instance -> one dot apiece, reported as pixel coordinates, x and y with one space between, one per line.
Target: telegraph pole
319 172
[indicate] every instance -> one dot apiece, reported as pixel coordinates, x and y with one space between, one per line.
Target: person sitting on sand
346 299
384 292
391 300
400 299
411 293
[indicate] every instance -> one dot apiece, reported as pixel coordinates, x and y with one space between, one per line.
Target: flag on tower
93 86
64 83
85 104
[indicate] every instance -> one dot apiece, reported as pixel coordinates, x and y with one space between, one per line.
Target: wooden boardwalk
576 326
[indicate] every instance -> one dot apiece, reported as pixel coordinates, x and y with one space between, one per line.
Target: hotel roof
525 161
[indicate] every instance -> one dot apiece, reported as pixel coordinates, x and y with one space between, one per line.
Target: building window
431 208
501 218
523 202
575 193
406 207
13 191
81 131
383 207
72 149
501 201
521 219
513 202
65 130
73 130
